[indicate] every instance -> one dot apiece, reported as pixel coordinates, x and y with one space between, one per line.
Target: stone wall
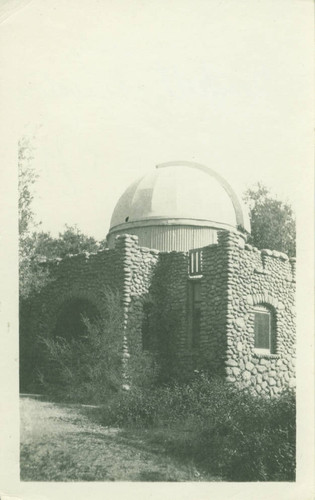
235 277
126 269
213 343
81 276
169 321
259 277
155 284
138 265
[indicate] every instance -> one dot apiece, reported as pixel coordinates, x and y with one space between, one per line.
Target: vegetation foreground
225 432
205 424
203 430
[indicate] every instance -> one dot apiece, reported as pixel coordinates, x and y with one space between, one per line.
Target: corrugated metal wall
168 238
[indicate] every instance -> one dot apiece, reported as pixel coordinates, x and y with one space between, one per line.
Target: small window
264 330
195 262
195 309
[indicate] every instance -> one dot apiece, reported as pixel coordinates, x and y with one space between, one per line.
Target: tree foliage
27 178
32 276
272 221
70 242
86 367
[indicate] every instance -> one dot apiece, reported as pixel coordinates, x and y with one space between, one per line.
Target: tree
70 241
32 276
272 221
27 178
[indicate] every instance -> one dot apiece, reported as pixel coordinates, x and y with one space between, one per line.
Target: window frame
195 262
265 309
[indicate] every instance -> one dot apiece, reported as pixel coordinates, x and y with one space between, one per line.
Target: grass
62 443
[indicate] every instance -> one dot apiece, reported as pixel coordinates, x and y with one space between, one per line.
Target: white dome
178 191
179 194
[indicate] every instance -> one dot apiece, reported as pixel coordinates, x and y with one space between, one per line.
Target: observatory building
193 293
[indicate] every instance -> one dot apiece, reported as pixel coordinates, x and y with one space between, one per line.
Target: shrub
88 368
250 439
225 431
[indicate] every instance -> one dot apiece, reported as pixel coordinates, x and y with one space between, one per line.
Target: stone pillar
125 244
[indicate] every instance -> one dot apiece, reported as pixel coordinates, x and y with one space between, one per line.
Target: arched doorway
70 321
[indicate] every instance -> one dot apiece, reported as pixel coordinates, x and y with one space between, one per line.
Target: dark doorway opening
70 322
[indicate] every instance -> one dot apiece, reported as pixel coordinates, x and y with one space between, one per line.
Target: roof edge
158 221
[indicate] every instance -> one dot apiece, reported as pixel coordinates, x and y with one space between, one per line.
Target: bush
224 430
250 438
88 368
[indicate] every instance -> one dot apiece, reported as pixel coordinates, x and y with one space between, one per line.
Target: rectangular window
195 311
262 330
195 263
265 329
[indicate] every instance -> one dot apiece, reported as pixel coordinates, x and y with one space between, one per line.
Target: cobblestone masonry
81 276
258 277
235 277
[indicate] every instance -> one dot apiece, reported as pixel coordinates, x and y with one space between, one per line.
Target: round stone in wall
239 346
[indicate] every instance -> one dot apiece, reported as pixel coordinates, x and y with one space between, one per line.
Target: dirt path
60 443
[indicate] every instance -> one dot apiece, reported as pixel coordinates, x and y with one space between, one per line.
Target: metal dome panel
179 191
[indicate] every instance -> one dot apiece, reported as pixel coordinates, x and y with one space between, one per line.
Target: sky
108 89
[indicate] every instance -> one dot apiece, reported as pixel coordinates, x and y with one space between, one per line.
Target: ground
62 443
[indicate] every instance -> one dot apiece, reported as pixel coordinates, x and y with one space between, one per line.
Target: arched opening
70 322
